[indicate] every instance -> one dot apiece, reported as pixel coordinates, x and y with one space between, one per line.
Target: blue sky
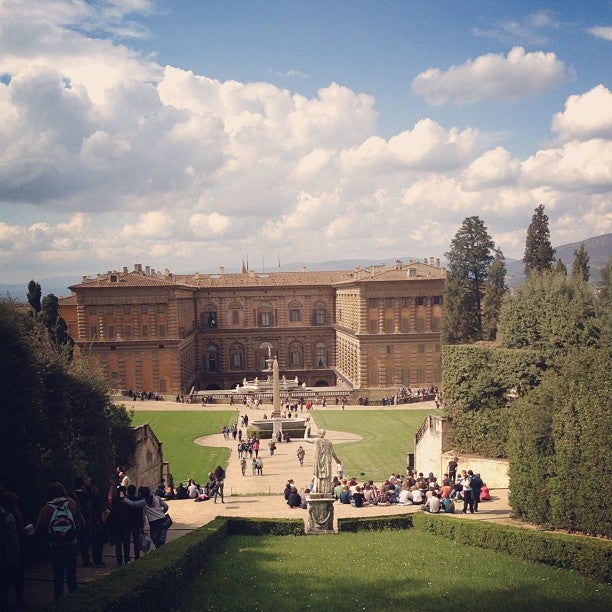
190 135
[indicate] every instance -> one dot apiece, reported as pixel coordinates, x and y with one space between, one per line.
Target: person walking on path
58 520
301 453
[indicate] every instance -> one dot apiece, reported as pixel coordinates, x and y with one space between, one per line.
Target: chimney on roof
303 268
243 268
221 270
437 262
147 270
125 269
431 261
84 278
138 268
398 264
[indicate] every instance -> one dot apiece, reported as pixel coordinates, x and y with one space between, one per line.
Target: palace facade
370 330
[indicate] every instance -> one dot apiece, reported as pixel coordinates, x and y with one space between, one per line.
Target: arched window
319 316
235 309
296 355
237 357
320 355
209 317
212 359
295 312
265 314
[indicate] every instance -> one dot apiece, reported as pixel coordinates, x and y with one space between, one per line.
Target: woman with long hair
155 510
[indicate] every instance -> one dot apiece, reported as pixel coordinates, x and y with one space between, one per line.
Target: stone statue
322 462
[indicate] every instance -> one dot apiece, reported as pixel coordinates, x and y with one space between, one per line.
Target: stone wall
148 466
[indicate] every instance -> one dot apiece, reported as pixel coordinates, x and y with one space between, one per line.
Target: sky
189 135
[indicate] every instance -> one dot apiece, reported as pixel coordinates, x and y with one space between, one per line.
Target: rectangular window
144 309
145 331
412 272
406 377
235 316
420 375
420 301
114 376
110 332
265 319
319 318
93 331
296 358
237 360
435 324
421 348
127 309
405 326
389 349
110 309
373 377
390 374
92 310
388 326
438 347
420 324
373 326
389 302
295 315
437 299
372 302
161 308
127 331
405 302
161 330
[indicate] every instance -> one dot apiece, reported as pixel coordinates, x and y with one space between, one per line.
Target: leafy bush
375 523
256 527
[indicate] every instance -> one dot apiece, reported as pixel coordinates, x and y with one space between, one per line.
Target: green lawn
177 430
379 571
387 436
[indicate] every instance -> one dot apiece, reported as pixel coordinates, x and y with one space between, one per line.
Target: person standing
452 469
301 453
468 500
219 483
58 520
155 510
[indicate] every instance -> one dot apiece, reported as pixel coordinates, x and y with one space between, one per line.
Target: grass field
178 430
387 436
379 571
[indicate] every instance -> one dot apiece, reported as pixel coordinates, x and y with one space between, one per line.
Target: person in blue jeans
155 510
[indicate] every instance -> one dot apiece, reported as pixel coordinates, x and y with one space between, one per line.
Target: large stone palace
370 330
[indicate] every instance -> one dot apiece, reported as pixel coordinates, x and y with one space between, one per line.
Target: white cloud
492 77
588 115
493 168
531 30
604 32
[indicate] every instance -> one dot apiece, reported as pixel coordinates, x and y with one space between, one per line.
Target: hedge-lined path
252 496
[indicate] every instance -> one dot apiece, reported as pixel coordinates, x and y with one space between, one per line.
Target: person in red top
63 553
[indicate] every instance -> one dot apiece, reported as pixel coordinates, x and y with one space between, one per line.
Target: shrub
376 523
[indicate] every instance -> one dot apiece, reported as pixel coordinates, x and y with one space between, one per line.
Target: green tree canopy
539 254
495 290
469 259
560 267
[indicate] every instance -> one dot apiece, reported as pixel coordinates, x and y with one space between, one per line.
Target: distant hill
599 249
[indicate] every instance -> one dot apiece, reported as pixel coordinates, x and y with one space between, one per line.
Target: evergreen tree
560 267
55 324
495 290
469 259
581 266
606 279
539 253
34 294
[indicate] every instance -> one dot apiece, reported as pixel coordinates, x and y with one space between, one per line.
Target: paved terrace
253 496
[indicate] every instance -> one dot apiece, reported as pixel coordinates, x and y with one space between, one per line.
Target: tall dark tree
606 280
581 266
34 294
469 259
539 254
560 267
55 323
495 290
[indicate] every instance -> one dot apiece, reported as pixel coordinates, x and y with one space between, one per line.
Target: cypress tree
581 266
539 254
494 293
469 259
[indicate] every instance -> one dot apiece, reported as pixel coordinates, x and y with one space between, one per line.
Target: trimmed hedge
258 527
375 523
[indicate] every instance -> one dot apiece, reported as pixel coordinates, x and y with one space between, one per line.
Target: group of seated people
293 497
413 489
194 490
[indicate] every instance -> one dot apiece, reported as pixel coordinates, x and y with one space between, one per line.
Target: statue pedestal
320 513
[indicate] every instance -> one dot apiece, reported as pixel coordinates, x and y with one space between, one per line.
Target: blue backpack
62 527
448 505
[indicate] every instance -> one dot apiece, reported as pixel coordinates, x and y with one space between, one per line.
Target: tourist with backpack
58 522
